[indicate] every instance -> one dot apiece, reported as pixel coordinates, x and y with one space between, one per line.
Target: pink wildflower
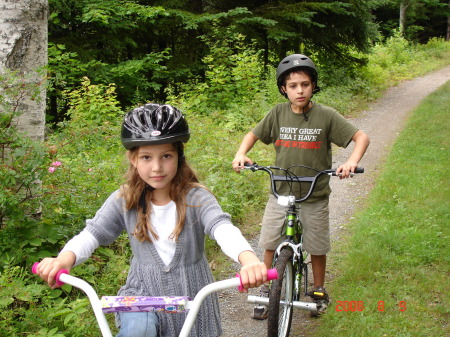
51 169
90 170
56 163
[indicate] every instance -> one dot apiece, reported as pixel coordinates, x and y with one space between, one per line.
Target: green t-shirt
304 142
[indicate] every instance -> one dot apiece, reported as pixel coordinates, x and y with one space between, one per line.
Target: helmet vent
154 124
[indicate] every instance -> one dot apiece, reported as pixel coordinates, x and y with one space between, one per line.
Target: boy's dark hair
308 71
294 63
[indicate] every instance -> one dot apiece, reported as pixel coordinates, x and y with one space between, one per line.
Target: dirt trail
382 122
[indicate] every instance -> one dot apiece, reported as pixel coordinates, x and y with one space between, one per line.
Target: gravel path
382 122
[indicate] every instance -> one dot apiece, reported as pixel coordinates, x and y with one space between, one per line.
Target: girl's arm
230 239
361 143
82 245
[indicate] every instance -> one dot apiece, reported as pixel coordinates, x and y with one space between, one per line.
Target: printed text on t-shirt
300 138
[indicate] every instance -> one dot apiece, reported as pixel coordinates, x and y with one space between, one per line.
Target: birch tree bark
23 48
402 16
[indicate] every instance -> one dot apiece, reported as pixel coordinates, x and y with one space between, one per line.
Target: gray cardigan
187 273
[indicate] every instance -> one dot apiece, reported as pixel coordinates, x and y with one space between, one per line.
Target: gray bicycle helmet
292 62
154 124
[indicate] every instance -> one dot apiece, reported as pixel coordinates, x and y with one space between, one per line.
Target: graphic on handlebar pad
168 304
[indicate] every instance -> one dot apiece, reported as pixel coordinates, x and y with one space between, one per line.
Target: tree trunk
23 48
402 17
448 29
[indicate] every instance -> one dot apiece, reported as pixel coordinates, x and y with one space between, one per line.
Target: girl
167 214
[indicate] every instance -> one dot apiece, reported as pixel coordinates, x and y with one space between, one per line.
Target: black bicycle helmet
289 64
154 124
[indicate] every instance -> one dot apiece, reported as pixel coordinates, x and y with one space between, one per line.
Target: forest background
213 60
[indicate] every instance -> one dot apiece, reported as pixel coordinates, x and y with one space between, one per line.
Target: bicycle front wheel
281 297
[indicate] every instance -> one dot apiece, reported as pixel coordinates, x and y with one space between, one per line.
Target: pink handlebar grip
58 282
34 268
272 274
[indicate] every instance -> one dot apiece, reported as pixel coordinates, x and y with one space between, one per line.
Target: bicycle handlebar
290 177
64 277
272 274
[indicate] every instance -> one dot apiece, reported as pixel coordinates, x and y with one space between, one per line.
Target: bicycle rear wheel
281 297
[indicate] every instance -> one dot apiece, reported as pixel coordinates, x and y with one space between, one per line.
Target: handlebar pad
272 274
58 282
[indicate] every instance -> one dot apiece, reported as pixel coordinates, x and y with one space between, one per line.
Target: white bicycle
168 304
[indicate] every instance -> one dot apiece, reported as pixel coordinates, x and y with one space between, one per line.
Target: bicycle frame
192 306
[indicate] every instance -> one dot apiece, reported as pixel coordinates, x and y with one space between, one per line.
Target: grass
398 255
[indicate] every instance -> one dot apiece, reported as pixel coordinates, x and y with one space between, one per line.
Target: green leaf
35 242
5 301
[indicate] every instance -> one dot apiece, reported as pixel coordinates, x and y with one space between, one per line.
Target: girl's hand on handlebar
253 272
346 170
49 267
239 161
252 276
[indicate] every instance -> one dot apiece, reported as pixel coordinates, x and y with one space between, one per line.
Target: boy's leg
319 263
319 294
268 258
316 240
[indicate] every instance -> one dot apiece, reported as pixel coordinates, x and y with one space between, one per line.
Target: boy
302 133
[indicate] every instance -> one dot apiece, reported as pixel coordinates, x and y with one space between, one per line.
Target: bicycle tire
282 290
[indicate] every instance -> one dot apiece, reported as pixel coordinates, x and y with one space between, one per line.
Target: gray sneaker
319 296
260 311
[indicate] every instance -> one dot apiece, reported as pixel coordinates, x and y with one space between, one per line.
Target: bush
87 159
22 166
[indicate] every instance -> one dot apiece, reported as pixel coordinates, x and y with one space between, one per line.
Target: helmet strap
181 159
142 202
305 113
181 156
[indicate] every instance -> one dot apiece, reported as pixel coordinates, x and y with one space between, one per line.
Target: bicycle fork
297 261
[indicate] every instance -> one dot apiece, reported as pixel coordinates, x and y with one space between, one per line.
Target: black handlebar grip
359 170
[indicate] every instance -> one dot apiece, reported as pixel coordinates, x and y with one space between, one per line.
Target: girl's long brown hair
184 180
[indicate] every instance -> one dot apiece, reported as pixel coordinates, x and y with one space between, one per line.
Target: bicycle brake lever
253 167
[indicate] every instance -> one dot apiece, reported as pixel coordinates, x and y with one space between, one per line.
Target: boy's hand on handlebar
49 267
239 161
346 170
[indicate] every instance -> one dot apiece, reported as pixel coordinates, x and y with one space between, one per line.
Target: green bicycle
289 258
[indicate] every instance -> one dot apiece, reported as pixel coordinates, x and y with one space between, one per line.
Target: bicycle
167 304
289 259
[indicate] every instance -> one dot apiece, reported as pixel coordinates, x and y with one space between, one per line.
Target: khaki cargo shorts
314 218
